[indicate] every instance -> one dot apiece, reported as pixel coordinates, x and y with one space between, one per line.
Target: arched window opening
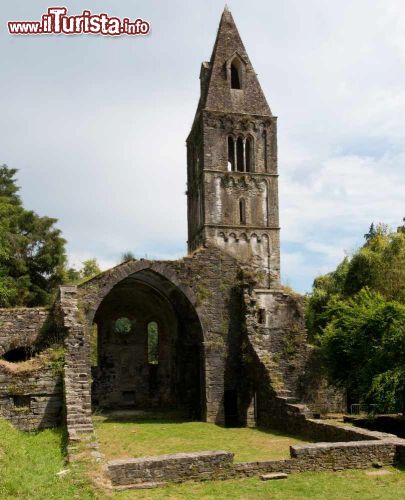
123 326
153 343
248 154
231 154
239 155
235 77
242 211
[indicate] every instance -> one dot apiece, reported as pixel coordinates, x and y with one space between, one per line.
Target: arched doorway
149 347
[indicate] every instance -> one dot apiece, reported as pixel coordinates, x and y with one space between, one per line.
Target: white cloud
97 126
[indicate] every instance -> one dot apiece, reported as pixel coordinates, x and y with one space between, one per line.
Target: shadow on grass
63 441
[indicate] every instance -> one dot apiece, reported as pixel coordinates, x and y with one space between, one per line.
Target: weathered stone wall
280 336
288 381
314 390
21 327
394 424
339 456
209 281
177 467
31 399
219 464
30 390
77 368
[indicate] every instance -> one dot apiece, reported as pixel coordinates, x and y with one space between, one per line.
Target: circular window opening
123 326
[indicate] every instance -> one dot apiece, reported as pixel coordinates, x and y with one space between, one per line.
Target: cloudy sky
97 125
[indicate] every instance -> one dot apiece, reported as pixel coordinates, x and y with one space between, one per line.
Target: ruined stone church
213 335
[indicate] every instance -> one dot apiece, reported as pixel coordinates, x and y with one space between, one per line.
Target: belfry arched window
248 154
231 154
236 75
240 154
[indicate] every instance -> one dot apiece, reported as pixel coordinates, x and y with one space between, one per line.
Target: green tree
325 289
353 310
90 269
379 265
72 276
363 346
32 251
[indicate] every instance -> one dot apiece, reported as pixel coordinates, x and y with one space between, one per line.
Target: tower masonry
232 190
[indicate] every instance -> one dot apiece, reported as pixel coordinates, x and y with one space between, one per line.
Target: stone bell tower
232 190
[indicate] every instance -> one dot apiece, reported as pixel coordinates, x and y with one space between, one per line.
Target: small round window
123 326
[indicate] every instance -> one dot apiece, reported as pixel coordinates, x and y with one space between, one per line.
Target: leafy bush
356 315
363 346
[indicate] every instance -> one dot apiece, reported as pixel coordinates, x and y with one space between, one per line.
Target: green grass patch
345 485
29 463
119 439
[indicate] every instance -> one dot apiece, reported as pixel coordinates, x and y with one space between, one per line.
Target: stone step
298 408
273 475
138 486
83 428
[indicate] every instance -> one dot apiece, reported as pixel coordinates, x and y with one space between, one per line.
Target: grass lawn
119 439
312 485
29 463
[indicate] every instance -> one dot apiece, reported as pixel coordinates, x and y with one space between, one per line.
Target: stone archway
125 375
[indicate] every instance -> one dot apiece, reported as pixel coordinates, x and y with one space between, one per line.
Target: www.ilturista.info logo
56 21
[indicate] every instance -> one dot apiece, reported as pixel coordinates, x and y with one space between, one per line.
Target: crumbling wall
21 326
286 365
214 465
315 391
31 395
30 384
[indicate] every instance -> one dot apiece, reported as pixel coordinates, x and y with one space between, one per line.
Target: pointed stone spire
216 75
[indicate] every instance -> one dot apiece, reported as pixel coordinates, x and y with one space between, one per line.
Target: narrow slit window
153 343
248 153
235 77
231 154
240 155
242 211
262 316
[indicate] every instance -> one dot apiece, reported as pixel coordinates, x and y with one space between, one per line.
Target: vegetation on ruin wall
356 315
51 358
